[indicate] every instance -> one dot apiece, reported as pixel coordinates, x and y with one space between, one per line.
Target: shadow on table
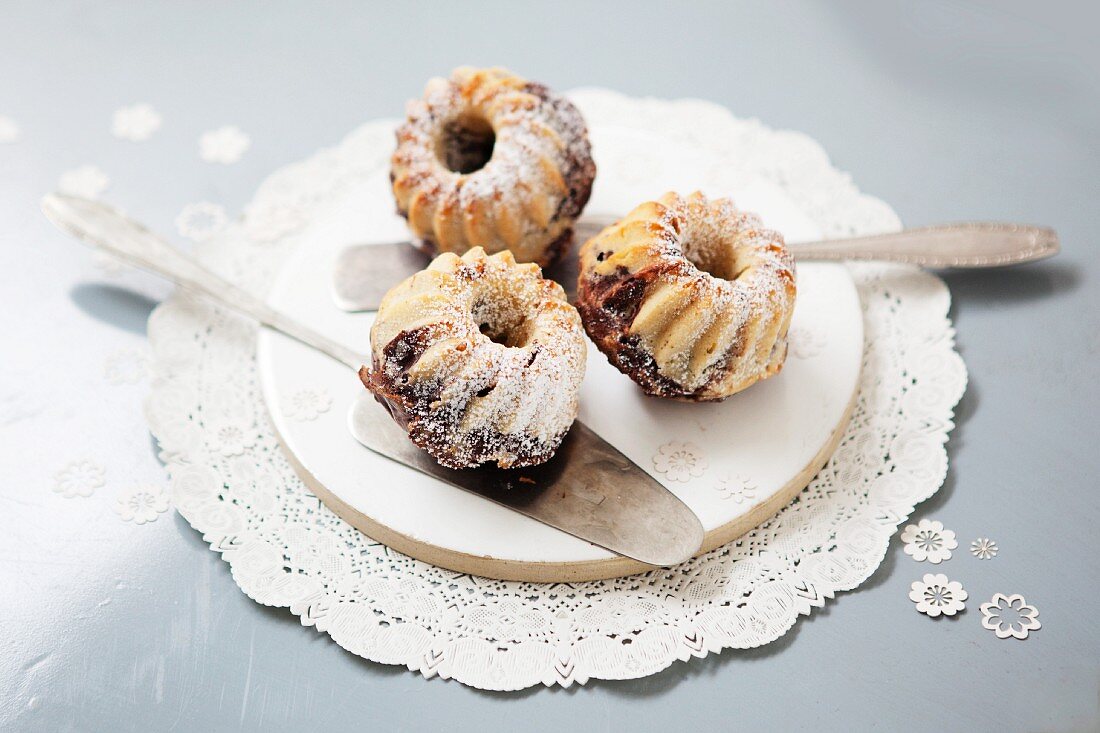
1011 285
120 307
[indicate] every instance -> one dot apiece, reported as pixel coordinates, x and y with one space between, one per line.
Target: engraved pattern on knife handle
964 245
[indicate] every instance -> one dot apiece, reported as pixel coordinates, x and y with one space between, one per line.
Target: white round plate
735 463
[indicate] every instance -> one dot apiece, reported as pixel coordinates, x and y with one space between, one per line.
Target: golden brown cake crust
489 159
479 359
690 298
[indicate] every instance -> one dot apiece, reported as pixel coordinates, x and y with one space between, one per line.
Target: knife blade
588 489
364 273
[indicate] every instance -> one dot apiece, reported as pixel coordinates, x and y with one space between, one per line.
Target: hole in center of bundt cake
502 319
466 143
713 256
514 337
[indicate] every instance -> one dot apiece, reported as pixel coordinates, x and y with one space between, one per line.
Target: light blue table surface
948 111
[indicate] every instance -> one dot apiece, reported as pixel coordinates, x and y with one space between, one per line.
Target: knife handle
106 228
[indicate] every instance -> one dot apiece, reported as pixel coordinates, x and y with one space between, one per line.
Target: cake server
590 489
365 272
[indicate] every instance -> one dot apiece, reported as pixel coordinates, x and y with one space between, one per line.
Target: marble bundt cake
489 159
691 298
480 359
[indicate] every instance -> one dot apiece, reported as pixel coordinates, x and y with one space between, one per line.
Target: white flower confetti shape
737 489
79 478
679 461
231 438
983 548
225 145
199 222
307 405
136 123
87 181
126 366
804 343
928 540
142 504
1010 616
935 595
9 130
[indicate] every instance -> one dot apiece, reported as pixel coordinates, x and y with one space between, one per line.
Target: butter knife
365 272
589 490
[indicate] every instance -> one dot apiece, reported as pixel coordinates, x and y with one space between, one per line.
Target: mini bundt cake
491 160
690 298
480 359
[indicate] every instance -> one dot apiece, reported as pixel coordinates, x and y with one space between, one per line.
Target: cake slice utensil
365 272
589 490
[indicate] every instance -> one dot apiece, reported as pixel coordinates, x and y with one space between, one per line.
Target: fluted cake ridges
487 158
690 297
480 359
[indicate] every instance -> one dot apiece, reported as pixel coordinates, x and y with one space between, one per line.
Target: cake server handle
104 227
964 245
960 245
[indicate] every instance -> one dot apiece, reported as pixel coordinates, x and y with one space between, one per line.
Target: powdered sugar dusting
500 363
524 197
715 318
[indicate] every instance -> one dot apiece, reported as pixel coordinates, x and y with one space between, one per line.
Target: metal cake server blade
365 272
588 489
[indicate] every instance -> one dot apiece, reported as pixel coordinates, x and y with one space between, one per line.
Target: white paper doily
230 481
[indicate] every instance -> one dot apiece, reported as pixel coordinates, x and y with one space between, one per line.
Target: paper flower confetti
199 222
135 123
142 504
126 366
928 540
79 478
87 181
306 405
9 130
935 595
737 489
983 548
225 145
1010 616
679 461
